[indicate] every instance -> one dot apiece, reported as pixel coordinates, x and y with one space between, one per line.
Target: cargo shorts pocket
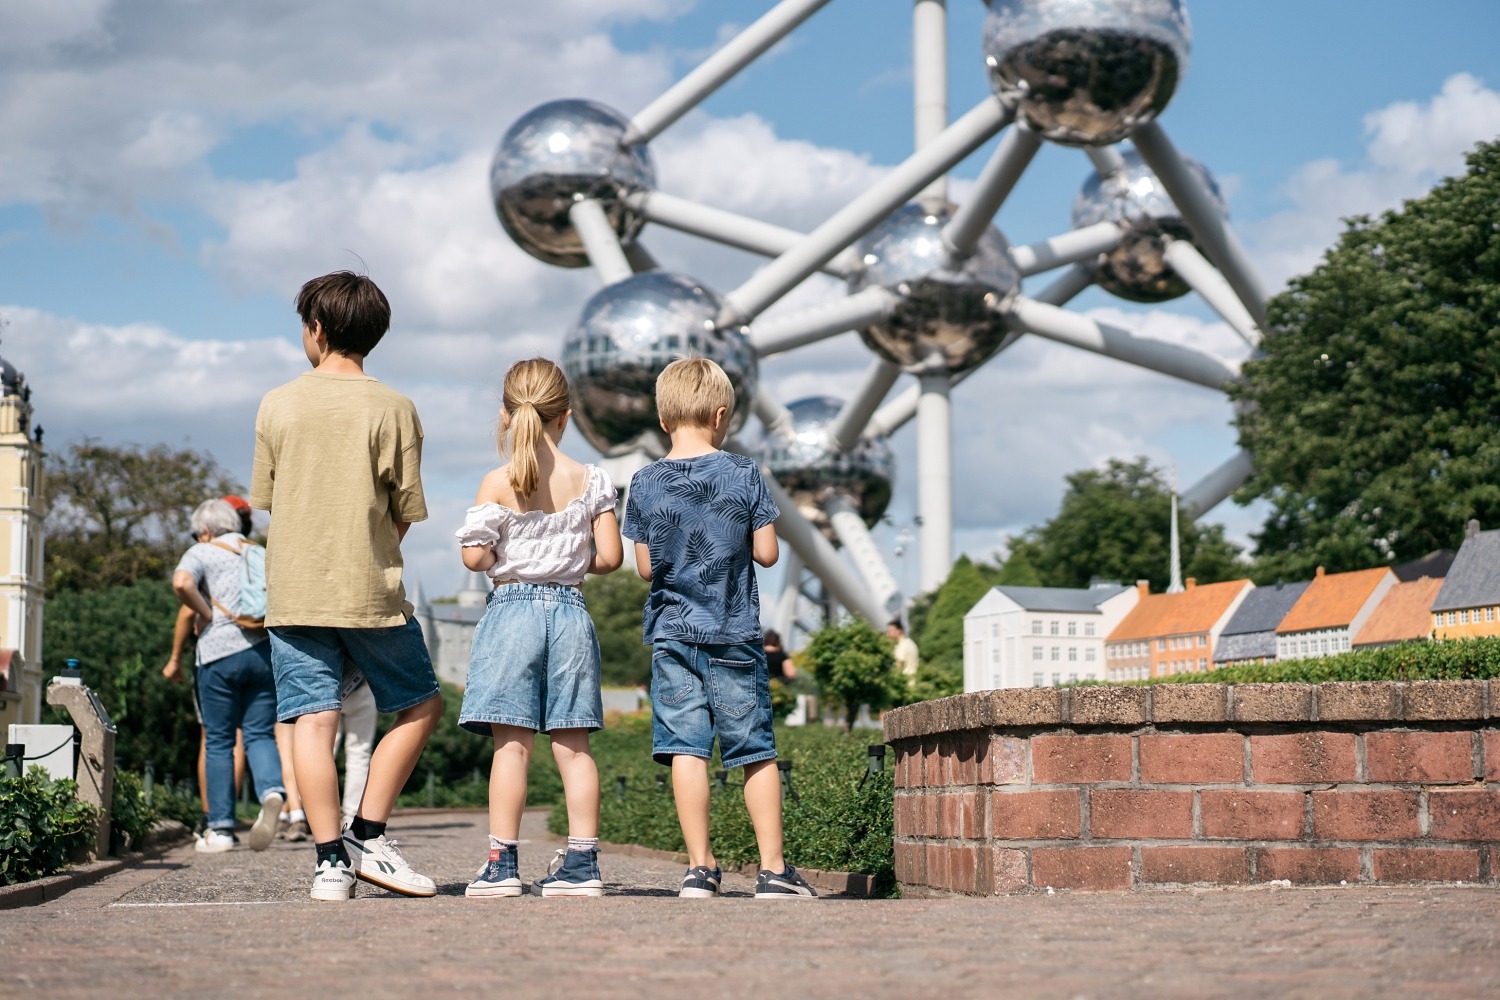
671 681
733 686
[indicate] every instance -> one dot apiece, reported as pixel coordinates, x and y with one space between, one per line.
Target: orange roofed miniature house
1331 611
1172 633
1404 615
1469 603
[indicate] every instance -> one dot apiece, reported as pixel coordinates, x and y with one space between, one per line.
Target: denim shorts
535 662
698 691
308 661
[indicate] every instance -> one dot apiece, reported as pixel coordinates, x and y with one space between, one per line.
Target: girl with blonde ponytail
538 525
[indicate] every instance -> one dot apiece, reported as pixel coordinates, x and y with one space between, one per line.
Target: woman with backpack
222 579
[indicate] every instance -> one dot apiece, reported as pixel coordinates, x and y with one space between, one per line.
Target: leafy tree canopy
1115 523
1373 416
853 665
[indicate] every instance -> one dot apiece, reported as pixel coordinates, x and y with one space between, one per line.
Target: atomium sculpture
933 289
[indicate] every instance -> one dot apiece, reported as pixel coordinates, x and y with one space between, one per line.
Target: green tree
853 666
119 514
1115 523
938 630
1373 415
616 602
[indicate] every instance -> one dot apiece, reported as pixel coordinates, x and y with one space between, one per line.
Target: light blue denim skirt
535 662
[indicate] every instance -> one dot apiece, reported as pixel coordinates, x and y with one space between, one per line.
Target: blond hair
689 391
536 393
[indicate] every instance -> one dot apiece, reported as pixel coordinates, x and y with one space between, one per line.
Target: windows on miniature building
1161 645
1072 678
1088 655
1056 652
1036 680
994 630
1072 654
1036 652
1072 628
1036 626
1056 678
1463 617
1202 664
1088 628
1054 627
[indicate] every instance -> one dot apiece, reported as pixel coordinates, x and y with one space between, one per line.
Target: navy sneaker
498 877
783 885
701 882
572 873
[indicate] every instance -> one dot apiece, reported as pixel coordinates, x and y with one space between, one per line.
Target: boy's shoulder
361 392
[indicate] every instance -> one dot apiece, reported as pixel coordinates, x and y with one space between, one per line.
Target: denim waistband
560 593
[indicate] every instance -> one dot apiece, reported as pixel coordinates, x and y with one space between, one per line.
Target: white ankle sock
583 843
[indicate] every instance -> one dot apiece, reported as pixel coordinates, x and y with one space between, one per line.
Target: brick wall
1118 788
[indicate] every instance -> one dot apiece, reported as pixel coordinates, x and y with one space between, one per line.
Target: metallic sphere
628 333
809 469
1086 72
559 153
1134 199
948 316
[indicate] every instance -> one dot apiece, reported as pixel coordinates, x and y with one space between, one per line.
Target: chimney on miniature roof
1471 529
1144 587
1319 572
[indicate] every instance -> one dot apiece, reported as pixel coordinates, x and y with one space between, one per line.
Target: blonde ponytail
536 394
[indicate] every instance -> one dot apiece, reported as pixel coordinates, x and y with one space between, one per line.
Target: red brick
1082 867
931 820
966 763
1247 815
1062 759
1193 758
1426 758
937 866
1007 870
908 815
1464 814
1219 865
946 765
932 764
1492 748
1119 813
1307 865
902 776
1035 815
1385 814
963 864
911 863
1302 758
1419 865
960 815
1003 762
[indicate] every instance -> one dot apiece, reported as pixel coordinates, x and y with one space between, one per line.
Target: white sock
498 844
583 843
296 816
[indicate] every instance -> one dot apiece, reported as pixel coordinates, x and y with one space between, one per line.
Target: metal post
599 241
1208 492
929 64
855 538
1106 159
856 413
96 756
818 555
1067 248
782 333
1010 159
733 230
1201 277
935 478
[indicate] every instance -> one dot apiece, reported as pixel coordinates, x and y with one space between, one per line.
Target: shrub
42 825
853 666
1456 659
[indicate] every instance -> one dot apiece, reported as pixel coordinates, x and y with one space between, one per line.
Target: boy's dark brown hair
352 309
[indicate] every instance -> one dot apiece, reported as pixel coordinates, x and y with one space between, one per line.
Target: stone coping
1137 705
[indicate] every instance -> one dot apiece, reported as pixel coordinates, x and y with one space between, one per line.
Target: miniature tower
21 540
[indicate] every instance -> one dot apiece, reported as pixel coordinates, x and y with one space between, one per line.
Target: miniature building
1040 636
1468 605
1331 611
449 628
21 544
1172 633
1250 636
1404 616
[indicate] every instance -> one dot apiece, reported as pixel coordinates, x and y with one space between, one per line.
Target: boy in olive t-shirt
338 465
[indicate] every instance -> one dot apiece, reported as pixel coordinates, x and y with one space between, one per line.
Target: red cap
238 503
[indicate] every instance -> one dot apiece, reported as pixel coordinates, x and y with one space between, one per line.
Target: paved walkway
240 925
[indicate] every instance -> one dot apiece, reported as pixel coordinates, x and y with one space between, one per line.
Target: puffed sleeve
481 525
603 495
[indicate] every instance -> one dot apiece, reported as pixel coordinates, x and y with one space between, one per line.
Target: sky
171 171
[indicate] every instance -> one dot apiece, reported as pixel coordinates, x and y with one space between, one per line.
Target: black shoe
784 885
700 883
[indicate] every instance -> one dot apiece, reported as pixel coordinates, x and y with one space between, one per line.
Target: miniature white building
21 543
1041 636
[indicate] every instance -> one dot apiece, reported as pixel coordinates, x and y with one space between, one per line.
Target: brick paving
240 924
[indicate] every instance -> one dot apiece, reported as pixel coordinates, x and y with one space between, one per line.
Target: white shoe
214 842
378 862
264 830
333 882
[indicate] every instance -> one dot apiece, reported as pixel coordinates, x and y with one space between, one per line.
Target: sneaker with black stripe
783 885
701 882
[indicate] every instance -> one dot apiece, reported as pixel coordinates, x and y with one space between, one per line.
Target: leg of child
690 790
763 802
317 777
508 779
580 780
284 731
239 761
394 759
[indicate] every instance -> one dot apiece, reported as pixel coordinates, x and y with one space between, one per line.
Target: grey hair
215 517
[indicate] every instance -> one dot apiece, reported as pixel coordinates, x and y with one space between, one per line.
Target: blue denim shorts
308 661
699 691
535 662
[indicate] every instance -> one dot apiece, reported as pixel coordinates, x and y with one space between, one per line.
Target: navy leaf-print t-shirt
696 515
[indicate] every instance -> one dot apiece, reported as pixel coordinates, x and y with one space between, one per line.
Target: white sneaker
333 882
378 862
264 830
214 842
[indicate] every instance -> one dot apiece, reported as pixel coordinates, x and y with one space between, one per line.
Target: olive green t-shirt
338 464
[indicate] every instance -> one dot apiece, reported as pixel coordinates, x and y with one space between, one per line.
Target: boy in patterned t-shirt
698 517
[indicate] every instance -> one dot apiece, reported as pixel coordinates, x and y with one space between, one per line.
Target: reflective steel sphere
1086 72
628 333
810 470
558 153
1135 199
947 317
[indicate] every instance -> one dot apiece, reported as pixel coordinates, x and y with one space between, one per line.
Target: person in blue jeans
699 517
235 687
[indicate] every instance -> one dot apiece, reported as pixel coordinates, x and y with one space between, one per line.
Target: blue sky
172 172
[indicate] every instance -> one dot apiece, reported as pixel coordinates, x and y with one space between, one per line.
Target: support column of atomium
935 479
856 540
819 555
784 614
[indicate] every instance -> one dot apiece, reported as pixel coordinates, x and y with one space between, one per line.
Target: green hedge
42 826
1455 659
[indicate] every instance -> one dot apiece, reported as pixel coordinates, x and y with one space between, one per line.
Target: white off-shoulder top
534 546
